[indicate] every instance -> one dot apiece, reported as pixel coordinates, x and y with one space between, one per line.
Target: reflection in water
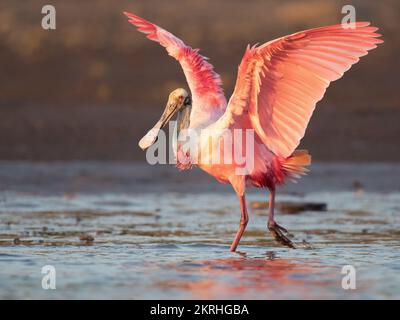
257 278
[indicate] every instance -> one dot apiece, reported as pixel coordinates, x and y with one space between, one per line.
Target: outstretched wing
204 82
280 82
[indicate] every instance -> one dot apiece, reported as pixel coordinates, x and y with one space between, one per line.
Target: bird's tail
295 165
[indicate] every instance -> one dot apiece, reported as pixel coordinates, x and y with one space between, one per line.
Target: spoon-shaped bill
151 136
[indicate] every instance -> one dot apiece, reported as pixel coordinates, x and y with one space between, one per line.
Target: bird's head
179 101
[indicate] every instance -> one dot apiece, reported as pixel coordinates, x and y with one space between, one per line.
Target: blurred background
91 88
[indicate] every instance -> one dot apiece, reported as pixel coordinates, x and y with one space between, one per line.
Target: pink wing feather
280 82
204 82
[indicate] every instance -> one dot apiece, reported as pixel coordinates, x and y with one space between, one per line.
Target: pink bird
277 87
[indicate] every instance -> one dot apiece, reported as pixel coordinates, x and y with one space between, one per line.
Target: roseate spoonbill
277 87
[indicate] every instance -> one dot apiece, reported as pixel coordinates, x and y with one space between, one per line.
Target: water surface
124 231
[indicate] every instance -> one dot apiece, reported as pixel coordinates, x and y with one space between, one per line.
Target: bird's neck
183 120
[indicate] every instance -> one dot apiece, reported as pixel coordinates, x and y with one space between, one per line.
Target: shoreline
133 177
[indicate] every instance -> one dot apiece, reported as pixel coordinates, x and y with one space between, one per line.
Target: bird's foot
280 234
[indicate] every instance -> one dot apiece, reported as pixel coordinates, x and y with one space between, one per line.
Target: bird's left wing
203 81
280 82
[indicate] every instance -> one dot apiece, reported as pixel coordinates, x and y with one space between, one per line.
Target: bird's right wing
280 82
204 82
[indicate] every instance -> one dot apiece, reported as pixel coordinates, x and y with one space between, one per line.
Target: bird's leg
276 230
243 223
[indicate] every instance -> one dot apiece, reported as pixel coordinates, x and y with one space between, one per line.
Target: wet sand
131 231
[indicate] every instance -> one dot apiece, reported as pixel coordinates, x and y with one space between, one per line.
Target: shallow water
174 243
